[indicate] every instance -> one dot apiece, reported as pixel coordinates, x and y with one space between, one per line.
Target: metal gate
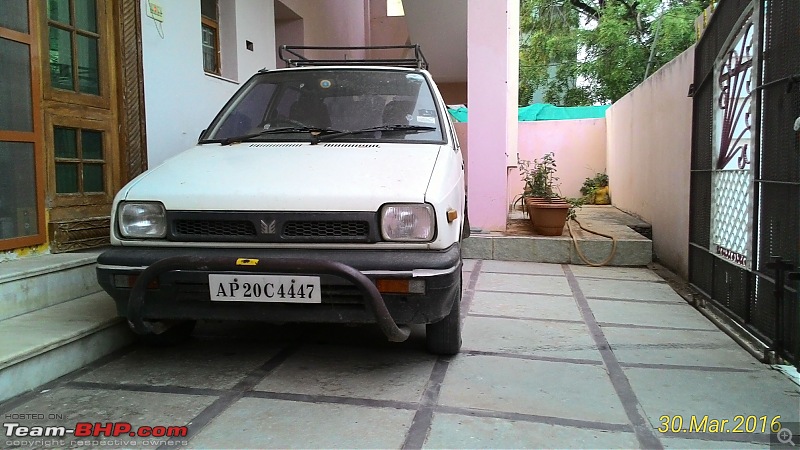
745 174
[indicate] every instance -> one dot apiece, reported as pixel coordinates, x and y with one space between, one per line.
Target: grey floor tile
638 290
678 443
105 406
456 431
198 364
681 347
372 373
650 314
616 273
525 305
521 267
468 264
523 283
718 395
264 423
525 337
573 391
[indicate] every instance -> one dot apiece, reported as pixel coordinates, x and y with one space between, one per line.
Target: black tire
444 337
174 335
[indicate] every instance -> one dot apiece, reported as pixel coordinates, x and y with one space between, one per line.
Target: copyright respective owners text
41 431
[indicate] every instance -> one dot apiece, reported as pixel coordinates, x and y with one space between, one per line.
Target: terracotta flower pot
549 218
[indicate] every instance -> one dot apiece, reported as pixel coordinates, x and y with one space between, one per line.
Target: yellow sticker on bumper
246 262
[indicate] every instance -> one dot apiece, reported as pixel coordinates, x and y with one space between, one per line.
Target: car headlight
142 220
408 222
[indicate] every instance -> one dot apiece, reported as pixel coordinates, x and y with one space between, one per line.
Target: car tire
444 337
174 335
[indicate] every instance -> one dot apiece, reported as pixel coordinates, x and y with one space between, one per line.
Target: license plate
264 288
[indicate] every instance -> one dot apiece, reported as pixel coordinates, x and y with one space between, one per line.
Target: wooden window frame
103 35
32 137
110 169
213 24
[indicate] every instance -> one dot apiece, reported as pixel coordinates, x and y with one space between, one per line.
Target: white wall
180 99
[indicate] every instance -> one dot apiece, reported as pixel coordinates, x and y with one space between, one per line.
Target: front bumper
347 277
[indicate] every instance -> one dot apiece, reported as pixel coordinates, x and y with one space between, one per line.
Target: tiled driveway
554 356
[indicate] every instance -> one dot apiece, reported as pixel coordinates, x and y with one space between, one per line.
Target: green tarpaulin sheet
545 111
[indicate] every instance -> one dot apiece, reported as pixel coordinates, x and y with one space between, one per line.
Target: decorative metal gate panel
745 193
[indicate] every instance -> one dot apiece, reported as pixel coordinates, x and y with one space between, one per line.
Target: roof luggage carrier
288 52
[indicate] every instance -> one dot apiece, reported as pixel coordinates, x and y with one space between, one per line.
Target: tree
595 51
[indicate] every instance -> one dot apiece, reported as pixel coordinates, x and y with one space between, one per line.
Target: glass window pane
93 178
209 49
15 87
65 142
208 8
58 10
61 59
86 15
18 209
88 68
91 144
66 178
15 15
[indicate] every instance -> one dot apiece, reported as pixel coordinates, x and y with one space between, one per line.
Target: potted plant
595 190
547 209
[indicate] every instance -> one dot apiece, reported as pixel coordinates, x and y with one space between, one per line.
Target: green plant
574 204
591 185
539 176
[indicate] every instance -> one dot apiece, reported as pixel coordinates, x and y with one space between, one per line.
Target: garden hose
578 249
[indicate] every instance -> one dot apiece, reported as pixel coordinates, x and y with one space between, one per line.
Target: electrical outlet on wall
155 10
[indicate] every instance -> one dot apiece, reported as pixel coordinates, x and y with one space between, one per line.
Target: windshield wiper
247 137
384 128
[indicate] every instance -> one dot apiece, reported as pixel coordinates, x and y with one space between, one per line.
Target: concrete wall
332 22
649 151
180 98
453 93
579 147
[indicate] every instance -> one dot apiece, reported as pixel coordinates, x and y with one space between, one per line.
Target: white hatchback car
320 193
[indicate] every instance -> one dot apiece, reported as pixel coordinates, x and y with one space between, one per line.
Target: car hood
289 177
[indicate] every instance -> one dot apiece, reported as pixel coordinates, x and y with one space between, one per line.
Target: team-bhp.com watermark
92 434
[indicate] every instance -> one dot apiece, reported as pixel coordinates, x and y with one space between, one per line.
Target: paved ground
554 356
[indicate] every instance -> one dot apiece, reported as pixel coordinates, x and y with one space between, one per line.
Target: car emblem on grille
268 228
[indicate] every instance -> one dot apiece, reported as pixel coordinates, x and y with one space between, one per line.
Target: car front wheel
444 337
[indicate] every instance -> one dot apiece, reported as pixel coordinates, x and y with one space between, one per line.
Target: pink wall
649 151
579 147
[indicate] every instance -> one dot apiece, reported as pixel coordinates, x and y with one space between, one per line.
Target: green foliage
604 43
539 176
591 185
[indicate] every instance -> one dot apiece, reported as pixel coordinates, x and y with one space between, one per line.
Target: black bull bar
372 296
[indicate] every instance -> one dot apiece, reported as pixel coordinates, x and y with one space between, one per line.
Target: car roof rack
288 53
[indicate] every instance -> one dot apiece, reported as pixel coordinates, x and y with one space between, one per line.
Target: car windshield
356 104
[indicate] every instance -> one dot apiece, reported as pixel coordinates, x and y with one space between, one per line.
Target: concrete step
519 243
55 319
33 283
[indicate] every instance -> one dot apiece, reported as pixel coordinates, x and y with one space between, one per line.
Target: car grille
359 229
214 228
272 227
